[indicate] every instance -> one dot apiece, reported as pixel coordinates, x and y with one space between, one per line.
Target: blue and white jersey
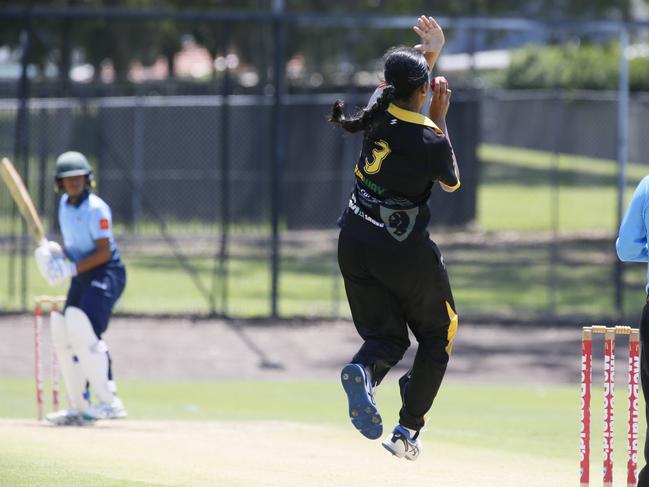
631 244
82 223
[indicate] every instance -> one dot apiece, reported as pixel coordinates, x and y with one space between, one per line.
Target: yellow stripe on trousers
452 328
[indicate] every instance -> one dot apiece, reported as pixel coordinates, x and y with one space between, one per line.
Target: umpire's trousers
643 478
388 291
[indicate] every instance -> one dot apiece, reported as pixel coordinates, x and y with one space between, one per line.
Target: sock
411 433
370 373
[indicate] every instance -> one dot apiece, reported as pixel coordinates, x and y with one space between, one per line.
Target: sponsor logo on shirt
370 184
357 211
104 224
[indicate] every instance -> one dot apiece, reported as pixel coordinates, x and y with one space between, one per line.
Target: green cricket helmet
70 164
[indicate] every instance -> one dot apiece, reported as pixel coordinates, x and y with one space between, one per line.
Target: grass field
183 433
158 284
518 187
500 280
508 431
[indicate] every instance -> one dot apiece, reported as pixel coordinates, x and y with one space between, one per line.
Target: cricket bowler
395 276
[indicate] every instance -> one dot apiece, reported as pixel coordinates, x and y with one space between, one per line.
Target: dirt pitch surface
269 454
184 349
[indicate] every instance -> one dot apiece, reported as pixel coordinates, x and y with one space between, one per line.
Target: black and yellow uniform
394 274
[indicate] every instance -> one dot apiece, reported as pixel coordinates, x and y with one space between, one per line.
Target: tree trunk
171 64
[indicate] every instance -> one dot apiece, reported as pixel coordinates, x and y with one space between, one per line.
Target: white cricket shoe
68 417
401 445
103 410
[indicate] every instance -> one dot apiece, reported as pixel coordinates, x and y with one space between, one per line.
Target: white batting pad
71 371
91 352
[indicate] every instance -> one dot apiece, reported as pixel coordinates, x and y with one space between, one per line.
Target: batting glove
59 270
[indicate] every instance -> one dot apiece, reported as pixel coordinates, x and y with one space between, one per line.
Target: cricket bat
22 199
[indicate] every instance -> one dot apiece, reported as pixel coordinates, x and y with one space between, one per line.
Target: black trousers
643 478
390 291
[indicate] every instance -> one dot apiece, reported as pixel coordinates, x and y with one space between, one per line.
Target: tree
124 41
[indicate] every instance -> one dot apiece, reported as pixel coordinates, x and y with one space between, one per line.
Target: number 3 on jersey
378 155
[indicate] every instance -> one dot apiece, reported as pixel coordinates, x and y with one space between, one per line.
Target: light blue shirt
84 223
631 244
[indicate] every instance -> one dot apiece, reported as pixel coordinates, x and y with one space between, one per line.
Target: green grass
524 287
485 279
569 164
159 284
518 187
538 420
27 467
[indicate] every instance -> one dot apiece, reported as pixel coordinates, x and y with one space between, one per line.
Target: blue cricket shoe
358 386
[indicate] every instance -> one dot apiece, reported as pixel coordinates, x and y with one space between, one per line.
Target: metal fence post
278 147
21 147
555 206
42 162
222 256
138 162
622 155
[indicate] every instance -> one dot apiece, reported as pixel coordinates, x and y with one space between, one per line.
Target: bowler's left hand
431 35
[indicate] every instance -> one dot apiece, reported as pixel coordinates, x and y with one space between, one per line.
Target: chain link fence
226 202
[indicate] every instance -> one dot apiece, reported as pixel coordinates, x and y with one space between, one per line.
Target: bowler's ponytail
365 118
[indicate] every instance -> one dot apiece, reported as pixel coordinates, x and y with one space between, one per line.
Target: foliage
586 66
528 8
639 74
123 42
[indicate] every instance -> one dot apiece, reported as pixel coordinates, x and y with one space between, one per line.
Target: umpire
394 275
631 246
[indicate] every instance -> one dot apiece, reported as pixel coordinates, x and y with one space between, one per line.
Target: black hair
406 69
